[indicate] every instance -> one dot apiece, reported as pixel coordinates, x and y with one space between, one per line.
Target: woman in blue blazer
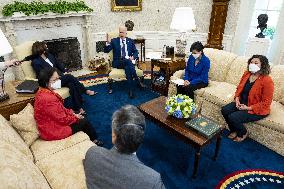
46 60
196 71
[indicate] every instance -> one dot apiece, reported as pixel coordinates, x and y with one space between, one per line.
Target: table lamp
5 48
182 21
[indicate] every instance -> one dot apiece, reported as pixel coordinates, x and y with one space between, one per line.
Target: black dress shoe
130 94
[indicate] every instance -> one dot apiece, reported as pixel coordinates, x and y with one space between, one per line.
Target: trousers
189 90
236 118
85 126
76 89
130 72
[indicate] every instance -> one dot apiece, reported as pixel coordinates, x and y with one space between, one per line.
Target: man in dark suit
125 55
119 168
46 60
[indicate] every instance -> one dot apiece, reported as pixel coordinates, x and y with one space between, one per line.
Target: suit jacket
260 95
52 118
199 73
113 170
115 46
39 63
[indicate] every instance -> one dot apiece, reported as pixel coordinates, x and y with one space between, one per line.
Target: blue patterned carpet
172 157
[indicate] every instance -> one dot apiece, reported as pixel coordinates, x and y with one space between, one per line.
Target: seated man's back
111 169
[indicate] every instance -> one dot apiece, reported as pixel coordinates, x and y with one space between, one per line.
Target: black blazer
39 63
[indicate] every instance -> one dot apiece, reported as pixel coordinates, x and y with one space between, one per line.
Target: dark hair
45 75
197 46
38 48
265 67
128 124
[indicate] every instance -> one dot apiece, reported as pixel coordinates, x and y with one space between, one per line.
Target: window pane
272 18
275 4
261 4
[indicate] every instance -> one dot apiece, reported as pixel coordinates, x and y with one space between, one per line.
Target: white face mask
195 55
253 68
56 84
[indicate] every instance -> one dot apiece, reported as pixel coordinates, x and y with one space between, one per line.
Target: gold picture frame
126 5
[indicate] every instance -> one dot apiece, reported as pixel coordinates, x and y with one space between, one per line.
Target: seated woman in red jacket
54 121
253 98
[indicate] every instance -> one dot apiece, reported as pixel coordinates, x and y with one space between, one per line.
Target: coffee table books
204 126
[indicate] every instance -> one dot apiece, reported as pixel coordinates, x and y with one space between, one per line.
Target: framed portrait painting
126 5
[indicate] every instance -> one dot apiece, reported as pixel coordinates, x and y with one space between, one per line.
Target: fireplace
67 51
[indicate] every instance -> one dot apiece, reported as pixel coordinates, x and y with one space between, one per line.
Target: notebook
27 86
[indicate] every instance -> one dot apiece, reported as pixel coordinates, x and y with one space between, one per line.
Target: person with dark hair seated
119 167
196 71
44 60
253 98
54 121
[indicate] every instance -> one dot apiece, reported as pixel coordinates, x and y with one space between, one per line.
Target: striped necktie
123 53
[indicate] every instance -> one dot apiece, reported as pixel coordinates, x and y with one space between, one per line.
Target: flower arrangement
180 106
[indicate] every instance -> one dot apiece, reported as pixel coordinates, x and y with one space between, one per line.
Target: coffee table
155 110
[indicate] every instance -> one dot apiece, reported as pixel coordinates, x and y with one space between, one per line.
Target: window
270 7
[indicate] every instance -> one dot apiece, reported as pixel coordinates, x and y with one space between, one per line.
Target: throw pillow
25 124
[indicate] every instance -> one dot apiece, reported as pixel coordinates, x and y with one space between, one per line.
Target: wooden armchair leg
110 81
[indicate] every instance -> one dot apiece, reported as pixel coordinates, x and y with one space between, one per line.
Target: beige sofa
225 73
25 49
29 162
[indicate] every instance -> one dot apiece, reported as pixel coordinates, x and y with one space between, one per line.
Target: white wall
156 15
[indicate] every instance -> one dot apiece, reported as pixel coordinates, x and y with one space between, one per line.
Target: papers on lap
178 81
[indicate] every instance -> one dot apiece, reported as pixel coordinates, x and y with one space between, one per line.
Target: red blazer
260 95
52 118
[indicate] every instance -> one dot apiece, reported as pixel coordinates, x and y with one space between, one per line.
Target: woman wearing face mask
196 71
54 121
253 98
47 60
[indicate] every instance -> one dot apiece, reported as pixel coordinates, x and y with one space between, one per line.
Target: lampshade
183 19
5 47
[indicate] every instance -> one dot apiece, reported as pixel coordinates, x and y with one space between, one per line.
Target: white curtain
276 53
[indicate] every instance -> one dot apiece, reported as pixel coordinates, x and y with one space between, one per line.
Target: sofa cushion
220 61
25 124
220 94
10 136
43 149
18 171
275 120
23 50
65 168
236 70
277 75
120 73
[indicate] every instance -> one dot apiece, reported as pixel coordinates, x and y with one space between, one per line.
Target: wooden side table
16 102
170 67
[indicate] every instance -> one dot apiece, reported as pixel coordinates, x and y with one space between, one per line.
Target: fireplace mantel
19 29
49 15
